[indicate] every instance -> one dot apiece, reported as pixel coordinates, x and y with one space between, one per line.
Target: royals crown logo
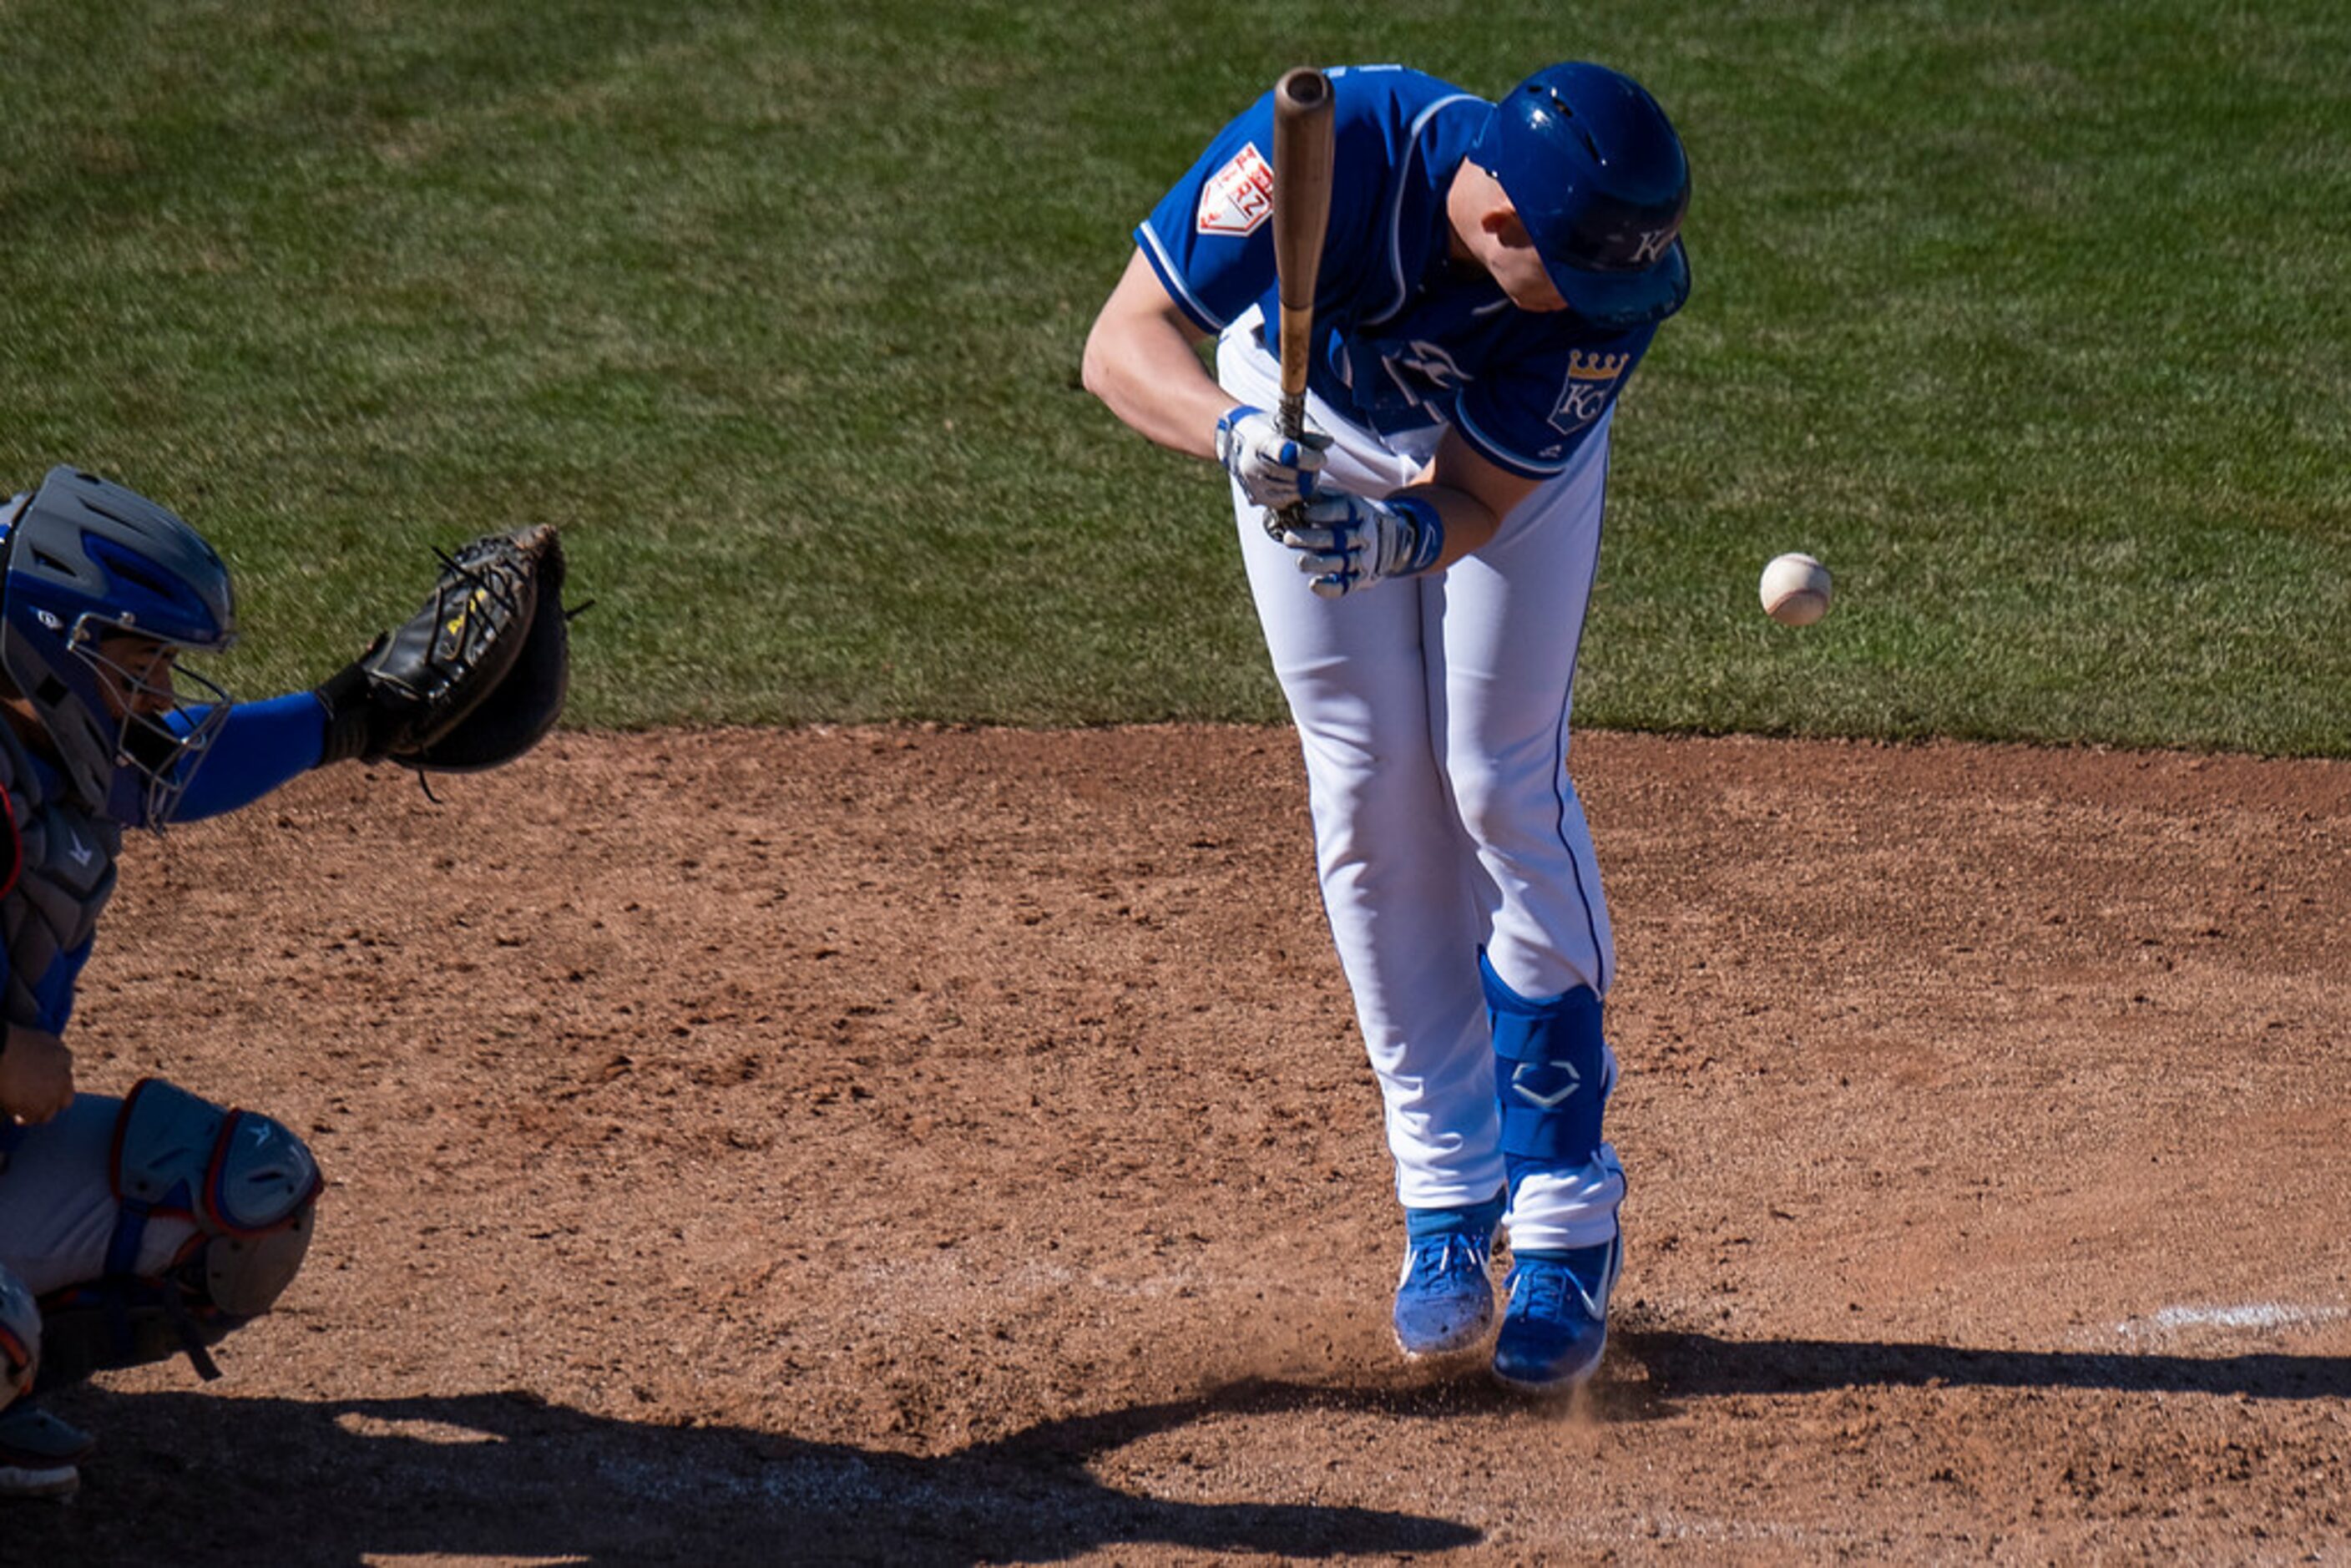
1591 383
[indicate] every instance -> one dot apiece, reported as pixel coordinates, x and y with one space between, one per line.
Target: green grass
2031 321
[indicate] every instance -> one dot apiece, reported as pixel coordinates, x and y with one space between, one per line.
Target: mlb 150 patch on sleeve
1239 196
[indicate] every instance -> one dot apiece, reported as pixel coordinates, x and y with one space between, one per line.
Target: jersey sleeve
1211 238
260 746
1530 417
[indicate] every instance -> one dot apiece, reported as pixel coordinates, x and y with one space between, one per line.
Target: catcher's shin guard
1552 1074
248 1185
20 1337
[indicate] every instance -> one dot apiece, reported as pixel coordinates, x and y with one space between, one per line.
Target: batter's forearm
1157 385
1470 523
1142 360
1470 494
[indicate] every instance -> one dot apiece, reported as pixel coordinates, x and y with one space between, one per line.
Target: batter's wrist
1421 552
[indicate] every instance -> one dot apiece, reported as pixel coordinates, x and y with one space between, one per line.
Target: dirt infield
949 1147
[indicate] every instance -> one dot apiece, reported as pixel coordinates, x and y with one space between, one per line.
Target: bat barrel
1302 89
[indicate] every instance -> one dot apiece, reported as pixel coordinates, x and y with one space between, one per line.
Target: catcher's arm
475 677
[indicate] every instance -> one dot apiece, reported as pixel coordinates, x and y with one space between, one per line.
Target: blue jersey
1404 338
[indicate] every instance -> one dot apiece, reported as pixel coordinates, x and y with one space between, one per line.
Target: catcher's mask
95 580
1598 177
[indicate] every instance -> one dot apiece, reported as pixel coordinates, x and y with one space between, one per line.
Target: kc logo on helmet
1239 196
1653 244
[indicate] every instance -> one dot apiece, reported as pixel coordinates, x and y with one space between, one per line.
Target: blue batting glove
1348 542
1272 469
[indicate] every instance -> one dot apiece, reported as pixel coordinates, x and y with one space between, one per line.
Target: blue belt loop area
1550 1074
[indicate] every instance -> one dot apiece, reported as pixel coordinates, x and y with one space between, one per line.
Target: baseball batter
136 1228
1492 275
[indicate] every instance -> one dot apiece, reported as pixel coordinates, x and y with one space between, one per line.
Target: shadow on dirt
1696 1366
198 1479
193 1479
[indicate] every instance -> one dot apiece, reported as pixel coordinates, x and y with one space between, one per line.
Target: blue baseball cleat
1556 1327
1445 1296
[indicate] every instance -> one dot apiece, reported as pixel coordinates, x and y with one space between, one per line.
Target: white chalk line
2260 1316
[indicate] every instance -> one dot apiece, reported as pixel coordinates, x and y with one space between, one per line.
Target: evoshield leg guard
1552 1073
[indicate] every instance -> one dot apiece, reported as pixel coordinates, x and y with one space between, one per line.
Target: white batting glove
1273 469
1348 542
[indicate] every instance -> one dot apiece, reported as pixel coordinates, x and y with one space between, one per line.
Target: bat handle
1291 415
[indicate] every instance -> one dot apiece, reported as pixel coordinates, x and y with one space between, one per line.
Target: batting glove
1348 542
1273 469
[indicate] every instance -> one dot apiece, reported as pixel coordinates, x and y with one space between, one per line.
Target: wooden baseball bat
1302 216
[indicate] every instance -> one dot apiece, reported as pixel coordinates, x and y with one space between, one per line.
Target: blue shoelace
1436 1258
1549 1291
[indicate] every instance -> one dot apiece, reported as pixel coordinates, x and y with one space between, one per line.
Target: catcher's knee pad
1553 1075
248 1185
20 1337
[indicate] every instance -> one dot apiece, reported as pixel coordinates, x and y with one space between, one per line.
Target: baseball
1796 589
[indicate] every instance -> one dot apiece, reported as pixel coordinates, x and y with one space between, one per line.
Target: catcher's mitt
475 677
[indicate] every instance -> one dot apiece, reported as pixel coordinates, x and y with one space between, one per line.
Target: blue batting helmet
1599 180
84 562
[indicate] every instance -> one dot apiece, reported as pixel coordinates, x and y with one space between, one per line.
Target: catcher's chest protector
56 867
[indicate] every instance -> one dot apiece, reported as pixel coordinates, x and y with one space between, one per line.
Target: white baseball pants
1433 713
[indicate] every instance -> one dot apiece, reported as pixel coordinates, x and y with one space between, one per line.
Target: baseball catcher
137 1227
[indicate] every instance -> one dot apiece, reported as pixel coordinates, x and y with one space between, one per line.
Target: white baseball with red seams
1796 589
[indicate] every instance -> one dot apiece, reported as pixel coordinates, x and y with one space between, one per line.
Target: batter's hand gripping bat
1302 215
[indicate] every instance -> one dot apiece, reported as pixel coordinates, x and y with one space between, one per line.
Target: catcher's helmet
1598 177
84 559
